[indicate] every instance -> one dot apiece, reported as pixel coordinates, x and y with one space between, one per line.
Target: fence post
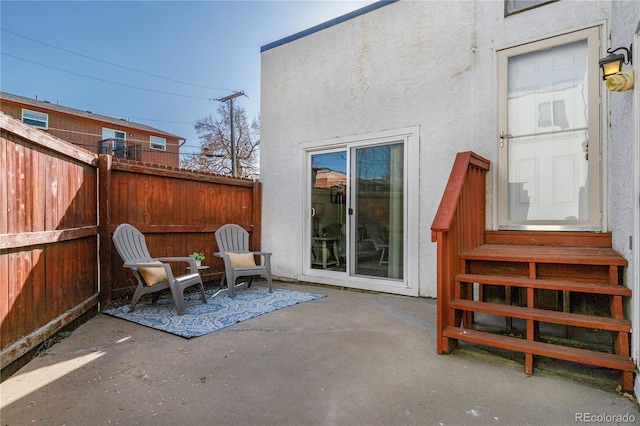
257 216
104 227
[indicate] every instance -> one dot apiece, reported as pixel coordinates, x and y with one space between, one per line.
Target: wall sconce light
612 64
616 79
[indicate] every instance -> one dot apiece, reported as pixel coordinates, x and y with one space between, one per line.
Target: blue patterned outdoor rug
220 311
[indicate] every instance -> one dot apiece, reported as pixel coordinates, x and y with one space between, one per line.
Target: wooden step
562 285
549 238
543 315
545 254
583 356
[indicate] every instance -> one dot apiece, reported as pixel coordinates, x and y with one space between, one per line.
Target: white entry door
549 122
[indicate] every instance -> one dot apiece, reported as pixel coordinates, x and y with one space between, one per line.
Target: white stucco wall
624 153
429 64
622 136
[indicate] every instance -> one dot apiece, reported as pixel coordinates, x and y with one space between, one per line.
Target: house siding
87 132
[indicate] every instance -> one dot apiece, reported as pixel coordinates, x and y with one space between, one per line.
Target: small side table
200 268
324 254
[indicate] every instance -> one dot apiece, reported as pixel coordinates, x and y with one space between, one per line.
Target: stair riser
536 348
580 303
591 273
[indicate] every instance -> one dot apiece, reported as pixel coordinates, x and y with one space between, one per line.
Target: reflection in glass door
549 134
378 208
329 211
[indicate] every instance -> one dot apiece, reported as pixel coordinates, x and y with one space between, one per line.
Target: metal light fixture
612 64
617 80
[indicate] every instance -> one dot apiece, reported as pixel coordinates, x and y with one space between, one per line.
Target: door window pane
547 115
328 211
379 211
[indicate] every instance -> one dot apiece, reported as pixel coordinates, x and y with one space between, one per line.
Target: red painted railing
459 225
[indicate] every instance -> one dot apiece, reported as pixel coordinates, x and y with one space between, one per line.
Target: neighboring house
389 94
94 132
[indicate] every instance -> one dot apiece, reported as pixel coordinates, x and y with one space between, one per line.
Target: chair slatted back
131 244
232 238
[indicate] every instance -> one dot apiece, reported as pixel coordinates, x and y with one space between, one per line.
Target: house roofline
117 122
327 24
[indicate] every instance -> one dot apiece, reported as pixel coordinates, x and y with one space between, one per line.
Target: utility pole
230 98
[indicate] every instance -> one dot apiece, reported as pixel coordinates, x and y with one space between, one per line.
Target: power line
124 85
155 151
106 81
126 140
257 104
113 64
191 123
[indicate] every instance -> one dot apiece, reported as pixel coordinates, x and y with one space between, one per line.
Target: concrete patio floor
350 358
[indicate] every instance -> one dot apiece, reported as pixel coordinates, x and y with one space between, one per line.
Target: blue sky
49 51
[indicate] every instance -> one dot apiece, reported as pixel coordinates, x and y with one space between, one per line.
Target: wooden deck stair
539 281
529 269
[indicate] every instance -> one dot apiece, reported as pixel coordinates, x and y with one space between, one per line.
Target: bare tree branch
215 143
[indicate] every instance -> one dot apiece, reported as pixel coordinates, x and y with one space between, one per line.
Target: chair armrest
257 253
375 241
146 264
190 260
175 259
152 264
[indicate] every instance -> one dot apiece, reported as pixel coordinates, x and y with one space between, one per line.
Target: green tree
215 143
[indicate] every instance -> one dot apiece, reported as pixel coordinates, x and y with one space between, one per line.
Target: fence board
39 295
12 184
4 166
4 299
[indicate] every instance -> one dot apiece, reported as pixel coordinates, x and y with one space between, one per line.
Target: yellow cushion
241 259
153 275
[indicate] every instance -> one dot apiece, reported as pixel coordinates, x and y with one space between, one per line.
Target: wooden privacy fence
178 211
59 206
48 236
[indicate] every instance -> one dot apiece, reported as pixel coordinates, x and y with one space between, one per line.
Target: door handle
503 136
586 150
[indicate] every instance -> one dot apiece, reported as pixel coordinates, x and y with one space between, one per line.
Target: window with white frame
35 118
113 134
158 143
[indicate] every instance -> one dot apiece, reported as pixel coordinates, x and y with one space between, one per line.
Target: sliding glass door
357 211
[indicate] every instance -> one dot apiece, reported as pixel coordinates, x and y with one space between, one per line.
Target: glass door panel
547 125
378 206
329 210
549 176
